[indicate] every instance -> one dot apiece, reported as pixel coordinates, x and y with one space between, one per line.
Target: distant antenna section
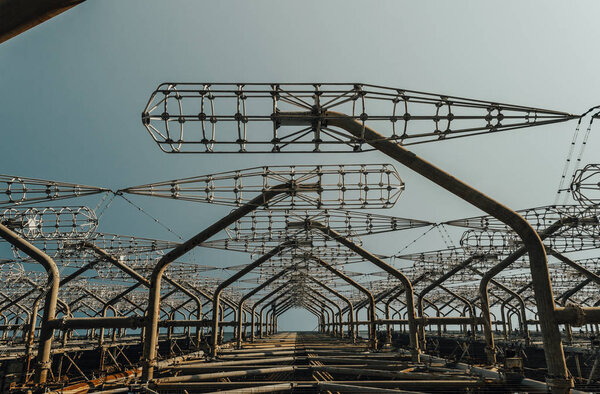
50 222
539 217
274 224
15 190
278 117
333 186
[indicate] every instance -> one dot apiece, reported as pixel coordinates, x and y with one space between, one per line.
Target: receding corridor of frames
507 308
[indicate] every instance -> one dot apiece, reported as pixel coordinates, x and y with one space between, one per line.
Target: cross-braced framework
20 190
586 186
129 309
273 224
250 117
76 222
362 186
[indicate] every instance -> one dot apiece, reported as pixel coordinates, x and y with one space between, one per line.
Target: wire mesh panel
335 256
438 262
266 240
251 117
345 186
489 242
305 243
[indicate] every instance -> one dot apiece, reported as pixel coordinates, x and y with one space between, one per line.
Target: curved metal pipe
46 333
149 356
217 293
414 345
349 304
250 294
555 358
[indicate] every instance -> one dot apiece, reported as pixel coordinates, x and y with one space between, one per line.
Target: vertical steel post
557 368
347 301
412 325
46 332
217 293
152 315
250 294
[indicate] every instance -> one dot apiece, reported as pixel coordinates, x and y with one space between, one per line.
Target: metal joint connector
579 313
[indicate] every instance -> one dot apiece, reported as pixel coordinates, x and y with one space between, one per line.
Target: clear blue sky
73 89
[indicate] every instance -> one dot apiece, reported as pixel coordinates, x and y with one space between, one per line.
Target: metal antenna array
363 186
108 293
77 222
20 190
272 224
586 185
249 117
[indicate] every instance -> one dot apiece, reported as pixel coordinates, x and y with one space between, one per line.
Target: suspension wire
580 156
112 198
150 216
431 227
570 155
563 176
105 194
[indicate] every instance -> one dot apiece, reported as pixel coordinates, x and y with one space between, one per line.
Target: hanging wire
150 216
568 161
416 239
580 156
104 196
112 198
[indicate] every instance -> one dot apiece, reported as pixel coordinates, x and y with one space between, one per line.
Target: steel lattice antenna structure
336 256
305 242
364 185
70 222
263 230
539 217
585 186
504 243
337 186
249 117
358 223
69 249
316 117
578 230
20 190
294 220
